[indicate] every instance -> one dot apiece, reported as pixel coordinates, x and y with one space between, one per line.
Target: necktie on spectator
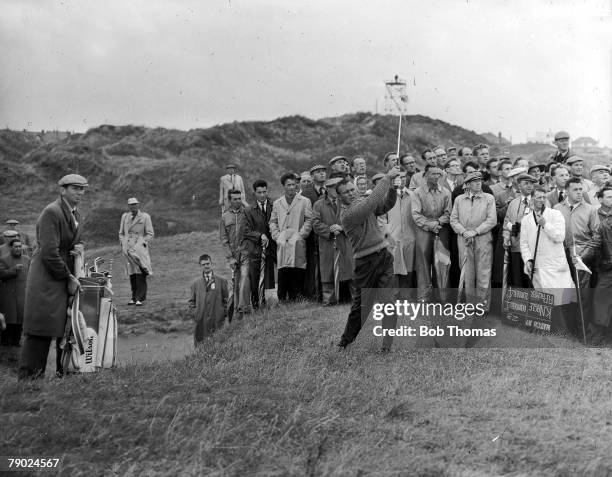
74 217
561 196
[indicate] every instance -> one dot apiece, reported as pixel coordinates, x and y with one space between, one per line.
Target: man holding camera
518 208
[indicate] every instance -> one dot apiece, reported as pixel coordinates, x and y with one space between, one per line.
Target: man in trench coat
290 225
50 281
333 242
135 235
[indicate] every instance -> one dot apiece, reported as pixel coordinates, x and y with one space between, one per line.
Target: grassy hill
175 173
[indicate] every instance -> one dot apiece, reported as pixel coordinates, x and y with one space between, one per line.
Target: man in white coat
230 181
547 262
135 233
290 225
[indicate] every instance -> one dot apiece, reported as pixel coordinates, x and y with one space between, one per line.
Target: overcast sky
517 66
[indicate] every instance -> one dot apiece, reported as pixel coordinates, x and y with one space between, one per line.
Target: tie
262 206
571 208
525 201
74 217
207 279
333 201
561 196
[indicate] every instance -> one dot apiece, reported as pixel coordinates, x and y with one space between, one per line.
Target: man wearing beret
472 219
51 282
562 140
230 181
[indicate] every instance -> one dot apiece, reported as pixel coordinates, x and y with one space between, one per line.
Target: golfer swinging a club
373 262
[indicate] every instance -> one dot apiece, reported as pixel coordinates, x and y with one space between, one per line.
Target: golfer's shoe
138 303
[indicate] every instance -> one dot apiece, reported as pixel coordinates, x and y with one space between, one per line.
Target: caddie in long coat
208 298
256 236
50 281
135 235
333 243
13 274
290 224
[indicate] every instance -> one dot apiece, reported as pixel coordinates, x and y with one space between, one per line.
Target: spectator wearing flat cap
333 242
562 141
230 181
51 282
576 168
135 235
417 179
7 237
467 168
518 208
472 219
27 243
600 175
312 281
430 207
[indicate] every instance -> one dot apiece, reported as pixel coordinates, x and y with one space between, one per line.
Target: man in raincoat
401 236
431 208
472 218
335 251
290 225
135 234
551 272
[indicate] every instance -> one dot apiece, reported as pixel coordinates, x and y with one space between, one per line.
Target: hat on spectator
516 171
562 135
132 201
572 159
317 167
73 179
472 176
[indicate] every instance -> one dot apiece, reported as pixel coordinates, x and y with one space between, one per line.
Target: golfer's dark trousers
34 354
290 283
138 283
374 271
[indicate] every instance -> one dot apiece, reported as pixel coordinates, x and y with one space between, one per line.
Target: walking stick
535 252
336 270
262 277
577 284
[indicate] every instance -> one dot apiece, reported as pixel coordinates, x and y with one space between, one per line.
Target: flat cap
73 179
562 135
10 233
318 167
231 166
434 170
526 177
472 176
336 159
572 159
377 177
593 169
12 222
305 175
133 200
533 165
516 171
451 148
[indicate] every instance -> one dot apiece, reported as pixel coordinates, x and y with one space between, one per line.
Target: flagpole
399 135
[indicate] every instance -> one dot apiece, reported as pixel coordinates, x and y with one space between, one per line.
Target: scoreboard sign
528 308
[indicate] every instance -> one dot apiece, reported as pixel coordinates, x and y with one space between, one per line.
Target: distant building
584 142
541 137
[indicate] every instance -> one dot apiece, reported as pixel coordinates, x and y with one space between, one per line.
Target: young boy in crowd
208 298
